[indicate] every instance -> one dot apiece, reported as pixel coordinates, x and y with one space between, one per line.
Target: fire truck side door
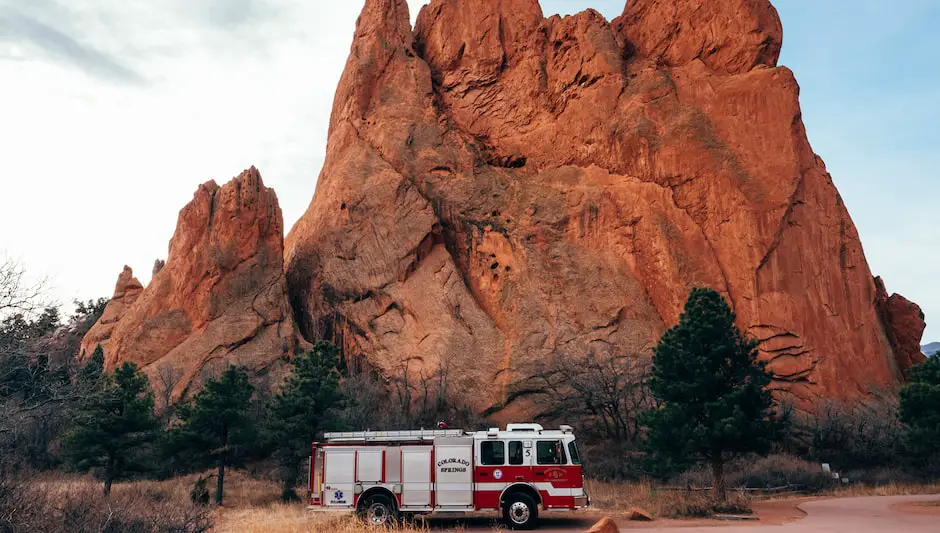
338 482
554 475
416 476
498 464
453 479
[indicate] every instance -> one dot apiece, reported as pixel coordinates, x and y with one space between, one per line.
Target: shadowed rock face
499 186
220 298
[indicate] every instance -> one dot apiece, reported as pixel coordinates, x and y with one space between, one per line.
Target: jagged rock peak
126 291
126 284
221 296
730 36
501 189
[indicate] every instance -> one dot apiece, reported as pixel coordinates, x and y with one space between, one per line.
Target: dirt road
874 514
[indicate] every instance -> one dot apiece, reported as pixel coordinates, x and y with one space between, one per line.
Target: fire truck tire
520 511
378 510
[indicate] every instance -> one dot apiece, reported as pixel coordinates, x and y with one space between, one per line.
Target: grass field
252 506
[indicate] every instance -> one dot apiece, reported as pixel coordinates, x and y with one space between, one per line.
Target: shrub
775 470
661 502
608 462
867 434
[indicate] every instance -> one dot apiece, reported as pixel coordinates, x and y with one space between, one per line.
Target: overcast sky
113 111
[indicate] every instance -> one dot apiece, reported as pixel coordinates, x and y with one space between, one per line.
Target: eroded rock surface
220 297
499 186
904 324
126 291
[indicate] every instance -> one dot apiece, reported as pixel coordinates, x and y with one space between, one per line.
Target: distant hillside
931 349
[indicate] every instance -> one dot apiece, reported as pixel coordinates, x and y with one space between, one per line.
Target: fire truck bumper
580 502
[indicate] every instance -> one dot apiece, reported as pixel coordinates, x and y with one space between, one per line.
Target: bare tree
861 434
369 404
32 387
17 293
603 394
431 397
168 377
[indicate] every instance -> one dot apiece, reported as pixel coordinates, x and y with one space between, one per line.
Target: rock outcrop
904 325
126 291
499 186
220 297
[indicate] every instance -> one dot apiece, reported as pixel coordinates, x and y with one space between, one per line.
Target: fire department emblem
498 474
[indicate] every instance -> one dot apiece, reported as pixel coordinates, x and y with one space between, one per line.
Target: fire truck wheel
520 511
378 510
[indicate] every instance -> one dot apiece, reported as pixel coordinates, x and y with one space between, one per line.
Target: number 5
528 453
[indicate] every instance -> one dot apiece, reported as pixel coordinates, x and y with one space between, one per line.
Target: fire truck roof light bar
391 436
524 427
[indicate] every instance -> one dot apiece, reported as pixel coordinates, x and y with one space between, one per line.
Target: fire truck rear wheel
378 510
520 511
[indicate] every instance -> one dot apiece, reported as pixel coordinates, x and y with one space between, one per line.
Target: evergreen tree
308 403
93 369
216 429
920 411
113 428
711 389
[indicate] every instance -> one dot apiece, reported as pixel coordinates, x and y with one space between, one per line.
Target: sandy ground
872 514
930 507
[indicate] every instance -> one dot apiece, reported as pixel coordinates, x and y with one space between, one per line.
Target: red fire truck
383 474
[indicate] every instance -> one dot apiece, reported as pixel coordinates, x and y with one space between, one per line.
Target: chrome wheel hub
378 514
519 512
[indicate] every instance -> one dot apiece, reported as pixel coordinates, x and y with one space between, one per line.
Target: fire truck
382 475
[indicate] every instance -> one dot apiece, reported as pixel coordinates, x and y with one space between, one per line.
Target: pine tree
93 369
216 429
114 427
308 403
711 389
920 411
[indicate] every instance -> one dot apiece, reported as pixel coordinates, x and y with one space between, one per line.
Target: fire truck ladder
392 436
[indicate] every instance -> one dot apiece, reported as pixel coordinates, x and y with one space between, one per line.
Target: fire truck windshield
573 453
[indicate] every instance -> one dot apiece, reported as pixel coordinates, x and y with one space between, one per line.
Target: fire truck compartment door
338 482
369 466
453 480
416 476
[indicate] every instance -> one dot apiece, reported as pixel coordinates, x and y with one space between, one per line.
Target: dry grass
887 489
660 503
278 518
71 503
251 504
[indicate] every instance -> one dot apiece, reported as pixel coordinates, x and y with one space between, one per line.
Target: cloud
24 31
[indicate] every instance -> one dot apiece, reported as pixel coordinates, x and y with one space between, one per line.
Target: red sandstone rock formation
126 291
499 186
904 324
221 296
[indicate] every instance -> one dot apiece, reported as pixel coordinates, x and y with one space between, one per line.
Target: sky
112 112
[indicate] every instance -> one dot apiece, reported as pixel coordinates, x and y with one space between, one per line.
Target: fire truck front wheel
378 510
520 511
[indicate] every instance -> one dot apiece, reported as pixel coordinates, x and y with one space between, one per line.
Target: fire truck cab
383 474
